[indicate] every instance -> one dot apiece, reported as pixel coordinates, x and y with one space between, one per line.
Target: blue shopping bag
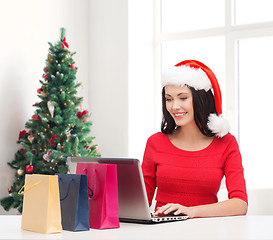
74 202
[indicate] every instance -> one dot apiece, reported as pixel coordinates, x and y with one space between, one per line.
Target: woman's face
179 104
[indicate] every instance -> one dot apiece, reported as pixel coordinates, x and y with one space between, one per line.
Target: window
235 39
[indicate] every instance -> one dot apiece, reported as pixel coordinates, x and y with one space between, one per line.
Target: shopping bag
103 204
41 204
74 202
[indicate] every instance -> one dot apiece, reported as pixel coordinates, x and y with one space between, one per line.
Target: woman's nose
176 105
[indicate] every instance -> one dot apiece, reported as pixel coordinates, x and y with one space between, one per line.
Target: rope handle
68 189
35 184
93 192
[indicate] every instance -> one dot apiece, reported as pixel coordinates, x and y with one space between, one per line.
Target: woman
187 160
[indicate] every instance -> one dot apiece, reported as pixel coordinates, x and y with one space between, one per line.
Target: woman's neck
190 138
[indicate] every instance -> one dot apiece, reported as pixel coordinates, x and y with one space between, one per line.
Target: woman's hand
175 209
230 207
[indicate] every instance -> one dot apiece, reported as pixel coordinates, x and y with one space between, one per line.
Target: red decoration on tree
46 156
24 132
97 150
39 90
46 76
73 66
81 114
35 117
64 43
45 69
52 143
30 168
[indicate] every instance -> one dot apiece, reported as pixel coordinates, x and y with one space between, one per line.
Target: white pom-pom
218 125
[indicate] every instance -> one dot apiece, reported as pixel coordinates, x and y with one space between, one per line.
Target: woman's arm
231 207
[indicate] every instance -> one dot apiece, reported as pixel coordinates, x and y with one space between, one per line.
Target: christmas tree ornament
46 76
49 58
97 149
73 66
35 117
20 172
198 76
30 168
43 93
23 151
68 136
65 44
50 107
34 151
88 147
46 156
24 132
30 138
52 143
39 90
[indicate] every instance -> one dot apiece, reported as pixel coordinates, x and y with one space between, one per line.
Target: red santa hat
197 75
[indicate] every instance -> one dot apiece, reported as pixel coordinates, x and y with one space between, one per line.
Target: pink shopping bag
103 202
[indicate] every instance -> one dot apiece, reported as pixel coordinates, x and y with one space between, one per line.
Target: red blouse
192 178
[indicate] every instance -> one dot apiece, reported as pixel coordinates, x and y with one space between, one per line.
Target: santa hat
197 75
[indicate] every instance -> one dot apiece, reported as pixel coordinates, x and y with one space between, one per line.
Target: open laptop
133 201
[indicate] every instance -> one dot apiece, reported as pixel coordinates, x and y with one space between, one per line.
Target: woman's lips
179 115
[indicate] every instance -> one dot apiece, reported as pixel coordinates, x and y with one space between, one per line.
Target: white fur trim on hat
218 125
182 75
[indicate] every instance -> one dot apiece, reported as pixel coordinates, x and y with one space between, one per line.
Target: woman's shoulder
227 140
158 137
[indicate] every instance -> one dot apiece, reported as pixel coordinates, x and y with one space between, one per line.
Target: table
231 228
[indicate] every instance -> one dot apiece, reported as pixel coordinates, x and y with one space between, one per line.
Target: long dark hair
203 106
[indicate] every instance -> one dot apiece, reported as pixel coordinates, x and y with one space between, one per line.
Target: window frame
232 34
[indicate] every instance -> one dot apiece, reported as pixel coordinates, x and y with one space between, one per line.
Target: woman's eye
183 98
168 99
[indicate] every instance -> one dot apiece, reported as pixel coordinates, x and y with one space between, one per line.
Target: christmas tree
58 128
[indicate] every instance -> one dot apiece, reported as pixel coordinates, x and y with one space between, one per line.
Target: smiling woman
188 159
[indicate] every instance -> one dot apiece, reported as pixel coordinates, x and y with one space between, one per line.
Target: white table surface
233 228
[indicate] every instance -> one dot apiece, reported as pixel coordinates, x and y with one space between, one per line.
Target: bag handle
35 184
68 189
94 181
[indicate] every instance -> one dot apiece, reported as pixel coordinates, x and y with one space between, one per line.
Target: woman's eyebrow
182 93
166 94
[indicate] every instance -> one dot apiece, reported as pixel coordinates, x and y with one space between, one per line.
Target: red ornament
39 90
46 76
24 132
52 143
45 69
97 150
35 117
73 66
64 43
80 114
29 168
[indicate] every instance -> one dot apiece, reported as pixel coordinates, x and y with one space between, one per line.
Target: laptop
133 201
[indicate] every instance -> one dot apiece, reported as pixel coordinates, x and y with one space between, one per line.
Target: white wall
108 75
26 27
